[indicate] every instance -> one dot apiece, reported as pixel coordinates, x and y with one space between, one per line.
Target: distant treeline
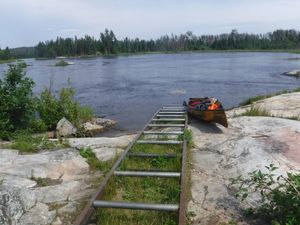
108 44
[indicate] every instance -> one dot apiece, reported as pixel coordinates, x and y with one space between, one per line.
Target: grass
62 63
135 217
43 182
188 136
136 189
26 142
256 111
157 163
260 97
154 148
93 162
146 189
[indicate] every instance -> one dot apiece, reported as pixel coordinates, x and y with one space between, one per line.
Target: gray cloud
25 22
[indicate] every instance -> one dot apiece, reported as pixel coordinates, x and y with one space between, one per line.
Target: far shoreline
174 52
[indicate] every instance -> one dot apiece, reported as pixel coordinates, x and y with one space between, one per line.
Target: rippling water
131 88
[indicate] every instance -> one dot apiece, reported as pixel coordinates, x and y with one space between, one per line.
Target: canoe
206 109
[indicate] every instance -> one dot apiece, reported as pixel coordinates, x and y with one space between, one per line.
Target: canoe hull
214 116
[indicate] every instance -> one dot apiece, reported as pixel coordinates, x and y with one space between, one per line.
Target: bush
280 197
17 102
51 109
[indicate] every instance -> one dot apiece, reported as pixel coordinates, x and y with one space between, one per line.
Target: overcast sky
26 22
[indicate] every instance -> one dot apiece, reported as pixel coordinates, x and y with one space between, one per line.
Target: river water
131 88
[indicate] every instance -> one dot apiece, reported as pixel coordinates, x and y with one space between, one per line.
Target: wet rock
65 128
294 73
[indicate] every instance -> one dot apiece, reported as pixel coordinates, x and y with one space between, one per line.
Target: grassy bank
261 97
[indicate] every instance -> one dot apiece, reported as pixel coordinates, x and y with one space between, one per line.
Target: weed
260 97
279 196
255 111
93 162
26 142
188 136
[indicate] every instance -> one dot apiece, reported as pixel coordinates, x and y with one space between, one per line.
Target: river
131 88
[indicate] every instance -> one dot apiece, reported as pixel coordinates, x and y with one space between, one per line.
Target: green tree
17 102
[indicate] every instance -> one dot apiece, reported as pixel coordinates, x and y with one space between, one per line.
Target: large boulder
65 128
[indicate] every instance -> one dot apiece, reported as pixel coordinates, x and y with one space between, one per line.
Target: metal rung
152 155
172 108
163 132
172 105
158 115
159 142
146 174
168 120
132 205
171 112
165 125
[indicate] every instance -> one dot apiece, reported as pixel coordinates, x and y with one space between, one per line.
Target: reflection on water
131 88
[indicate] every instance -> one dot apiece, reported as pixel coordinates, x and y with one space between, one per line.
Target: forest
108 44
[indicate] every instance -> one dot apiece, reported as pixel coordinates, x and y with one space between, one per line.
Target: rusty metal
183 183
87 212
89 209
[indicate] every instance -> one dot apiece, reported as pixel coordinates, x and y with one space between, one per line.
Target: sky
26 22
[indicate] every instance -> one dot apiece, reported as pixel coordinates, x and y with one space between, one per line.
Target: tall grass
260 97
255 111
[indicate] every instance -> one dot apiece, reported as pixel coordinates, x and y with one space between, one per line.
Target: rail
168 122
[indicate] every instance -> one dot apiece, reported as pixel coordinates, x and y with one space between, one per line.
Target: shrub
51 109
17 102
280 197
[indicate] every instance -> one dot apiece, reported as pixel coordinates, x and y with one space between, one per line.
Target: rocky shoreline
250 143
49 187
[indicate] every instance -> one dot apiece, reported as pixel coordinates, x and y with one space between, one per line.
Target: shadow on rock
205 127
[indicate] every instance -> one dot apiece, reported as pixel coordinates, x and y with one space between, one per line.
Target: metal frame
89 209
127 205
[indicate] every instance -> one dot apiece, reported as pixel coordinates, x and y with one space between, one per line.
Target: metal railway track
173 117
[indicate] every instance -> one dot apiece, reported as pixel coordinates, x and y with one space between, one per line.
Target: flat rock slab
219 154
285 106
100 142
